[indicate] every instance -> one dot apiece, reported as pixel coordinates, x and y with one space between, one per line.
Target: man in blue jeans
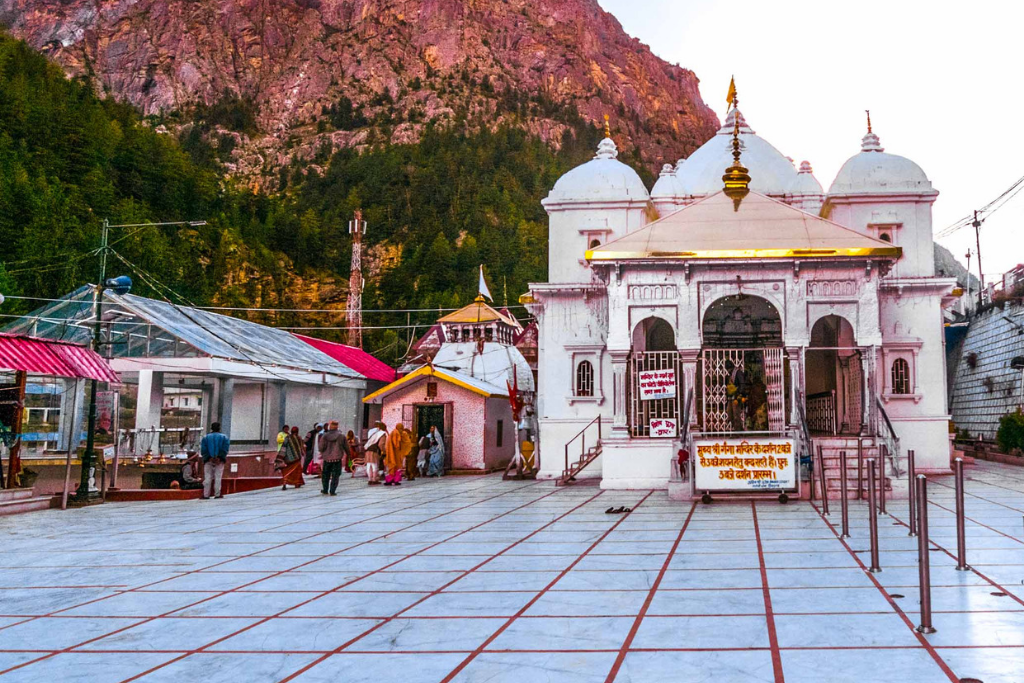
214 449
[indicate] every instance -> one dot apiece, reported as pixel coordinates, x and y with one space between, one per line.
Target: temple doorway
653 354
835 378
743 367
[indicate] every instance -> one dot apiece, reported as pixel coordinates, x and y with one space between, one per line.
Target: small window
431 389
594 244
900 376
885 237
585 379
501 432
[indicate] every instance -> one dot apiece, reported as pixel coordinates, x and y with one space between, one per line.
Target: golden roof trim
845 252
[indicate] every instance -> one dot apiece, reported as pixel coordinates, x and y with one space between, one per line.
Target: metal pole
881 485
981 276
824 483
872 518
911 493
961 533
90 436
924 569
843 493
860 469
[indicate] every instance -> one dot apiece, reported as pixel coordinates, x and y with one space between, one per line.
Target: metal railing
890 440
582 437
822 416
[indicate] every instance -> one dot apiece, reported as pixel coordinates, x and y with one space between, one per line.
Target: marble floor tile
504 581
991 665
245 605
564 633
382 668
230 668
539 667
843 630
170 633
137 604
853 666
357 605
489 604
673 667
58 633
432 635
91 667
603 603
702 602
297 635
702 632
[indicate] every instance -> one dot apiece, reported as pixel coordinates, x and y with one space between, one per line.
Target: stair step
14 507
7 495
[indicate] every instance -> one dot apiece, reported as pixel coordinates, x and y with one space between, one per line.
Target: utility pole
968 255
981 276
356 228
82 495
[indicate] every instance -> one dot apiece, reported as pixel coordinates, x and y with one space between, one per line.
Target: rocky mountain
286 81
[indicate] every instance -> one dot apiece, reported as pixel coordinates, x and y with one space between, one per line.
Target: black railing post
860 469
824 482
872 518
844 494
881 484
912 493
923 561
961 531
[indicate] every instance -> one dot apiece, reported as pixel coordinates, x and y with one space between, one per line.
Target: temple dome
770 171
602 179
805 183
873 171
667 186
494 363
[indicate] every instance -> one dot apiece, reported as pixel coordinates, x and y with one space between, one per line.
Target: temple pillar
225 401
688 359
150 400
865 393
620 375
796 384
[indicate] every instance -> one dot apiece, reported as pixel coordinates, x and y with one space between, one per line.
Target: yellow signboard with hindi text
740 465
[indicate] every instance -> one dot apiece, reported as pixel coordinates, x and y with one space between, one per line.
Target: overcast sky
943 86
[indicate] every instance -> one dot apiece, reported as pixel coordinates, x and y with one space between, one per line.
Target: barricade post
923 566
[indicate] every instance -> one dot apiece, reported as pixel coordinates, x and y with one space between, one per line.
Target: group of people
387 456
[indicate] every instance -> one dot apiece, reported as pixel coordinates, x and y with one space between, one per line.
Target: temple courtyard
476 579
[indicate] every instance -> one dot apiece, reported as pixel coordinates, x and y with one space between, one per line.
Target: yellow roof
476 312
760 227
477 386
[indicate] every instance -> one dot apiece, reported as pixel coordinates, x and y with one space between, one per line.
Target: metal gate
725 373
642 412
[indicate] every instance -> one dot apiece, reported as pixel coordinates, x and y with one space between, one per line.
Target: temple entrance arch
835 378
653 353
743 367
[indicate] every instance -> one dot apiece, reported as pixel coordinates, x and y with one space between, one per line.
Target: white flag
483 285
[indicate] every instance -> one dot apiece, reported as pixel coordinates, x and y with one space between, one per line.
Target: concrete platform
472 579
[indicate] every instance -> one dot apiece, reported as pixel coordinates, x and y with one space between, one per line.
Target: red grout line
1009 594
366 575
773 637
146 620
621 656
975 495
501 629
906 620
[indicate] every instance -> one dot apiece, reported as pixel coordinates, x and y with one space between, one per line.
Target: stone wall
982 394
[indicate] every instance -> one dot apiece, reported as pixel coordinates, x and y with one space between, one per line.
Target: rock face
352 72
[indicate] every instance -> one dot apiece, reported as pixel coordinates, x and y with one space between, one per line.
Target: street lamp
82 495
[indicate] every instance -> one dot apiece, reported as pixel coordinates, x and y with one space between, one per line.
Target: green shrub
1010 435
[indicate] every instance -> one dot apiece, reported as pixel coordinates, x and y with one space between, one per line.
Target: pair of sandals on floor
617 511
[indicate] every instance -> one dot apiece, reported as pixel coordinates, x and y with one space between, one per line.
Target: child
421 457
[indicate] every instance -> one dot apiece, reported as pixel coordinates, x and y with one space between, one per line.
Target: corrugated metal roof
356 359
45 357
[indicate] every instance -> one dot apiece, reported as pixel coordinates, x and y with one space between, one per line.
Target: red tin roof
356 359
46 357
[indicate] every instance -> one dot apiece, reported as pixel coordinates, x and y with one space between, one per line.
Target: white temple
782 311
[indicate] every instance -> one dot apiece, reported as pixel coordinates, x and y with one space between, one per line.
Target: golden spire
736 178
607 127
868 112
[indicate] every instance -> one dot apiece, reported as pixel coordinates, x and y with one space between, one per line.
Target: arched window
900 376
885 237
594 244
585 379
